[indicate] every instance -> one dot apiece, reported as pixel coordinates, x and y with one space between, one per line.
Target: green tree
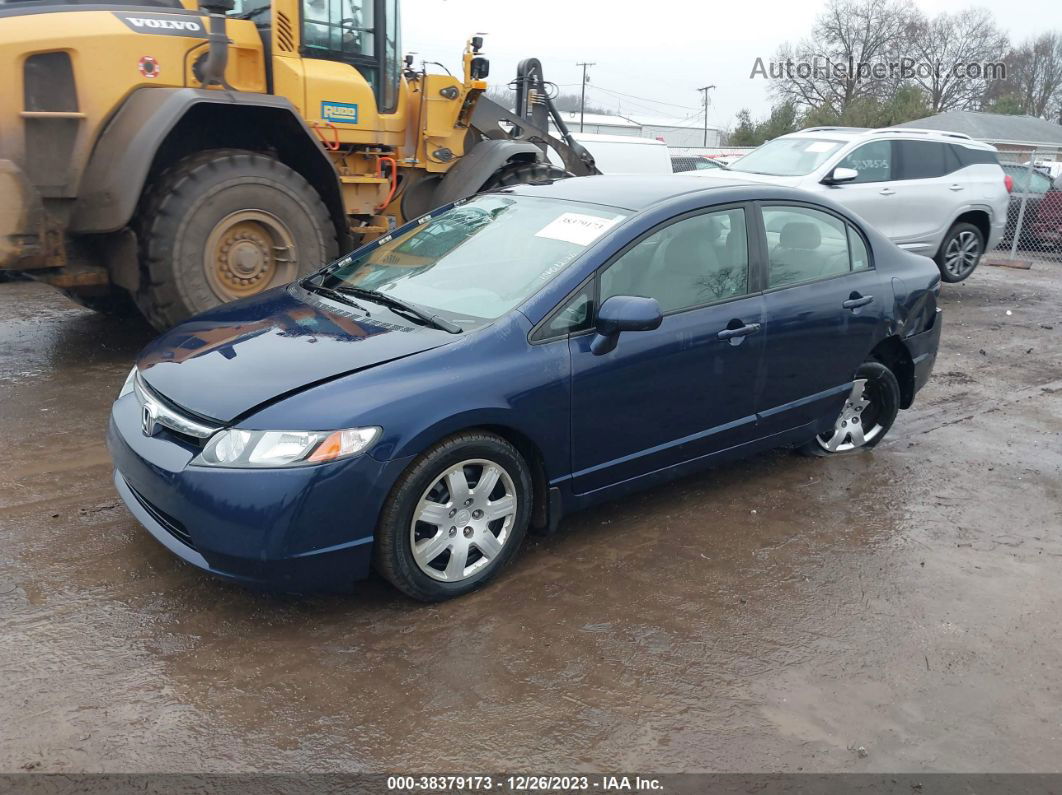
908 103
821 116
783 120
1010 104
744 133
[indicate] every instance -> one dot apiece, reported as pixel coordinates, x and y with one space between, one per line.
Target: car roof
889 133
626 192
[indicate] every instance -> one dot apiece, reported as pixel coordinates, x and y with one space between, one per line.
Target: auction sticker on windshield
582 230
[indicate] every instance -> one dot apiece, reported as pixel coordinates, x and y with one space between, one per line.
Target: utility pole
582 102
704 91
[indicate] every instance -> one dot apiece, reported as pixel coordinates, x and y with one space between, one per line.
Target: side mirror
840 175
480 68
624 313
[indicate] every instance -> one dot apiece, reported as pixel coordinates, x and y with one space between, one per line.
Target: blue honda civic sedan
420 404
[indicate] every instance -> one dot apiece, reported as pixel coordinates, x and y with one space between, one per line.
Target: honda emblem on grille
149 419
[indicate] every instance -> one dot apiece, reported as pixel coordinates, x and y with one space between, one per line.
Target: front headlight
236 447
127 387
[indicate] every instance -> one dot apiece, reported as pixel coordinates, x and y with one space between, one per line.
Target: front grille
165 414
169 524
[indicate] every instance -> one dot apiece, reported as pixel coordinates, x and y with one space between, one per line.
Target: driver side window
693 262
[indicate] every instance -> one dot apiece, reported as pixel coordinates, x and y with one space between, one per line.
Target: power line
645 99
637 108
628 106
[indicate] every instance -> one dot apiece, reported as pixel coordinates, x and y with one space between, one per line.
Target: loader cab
364 34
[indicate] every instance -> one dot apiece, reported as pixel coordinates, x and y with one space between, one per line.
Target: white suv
935 193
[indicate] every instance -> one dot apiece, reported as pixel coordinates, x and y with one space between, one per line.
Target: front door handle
887 192
856 300
736 334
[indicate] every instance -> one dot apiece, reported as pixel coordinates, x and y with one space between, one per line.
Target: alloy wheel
857 424
962 253
463 520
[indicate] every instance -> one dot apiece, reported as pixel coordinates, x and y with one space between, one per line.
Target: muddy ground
896 611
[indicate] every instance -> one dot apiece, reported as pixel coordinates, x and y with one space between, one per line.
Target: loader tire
524 174
226 224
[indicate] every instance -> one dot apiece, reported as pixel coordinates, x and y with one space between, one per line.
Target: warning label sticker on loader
577 228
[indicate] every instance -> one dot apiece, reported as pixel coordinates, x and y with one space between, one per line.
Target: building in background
1009 134
677 132
601 124
673 132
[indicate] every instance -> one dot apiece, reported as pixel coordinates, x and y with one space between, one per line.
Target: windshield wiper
397 304
335 295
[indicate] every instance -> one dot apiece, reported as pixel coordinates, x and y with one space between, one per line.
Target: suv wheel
960 252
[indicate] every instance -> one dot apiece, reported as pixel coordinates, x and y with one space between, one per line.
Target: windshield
481 258
787 157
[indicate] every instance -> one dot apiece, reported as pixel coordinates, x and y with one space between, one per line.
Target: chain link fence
1034 217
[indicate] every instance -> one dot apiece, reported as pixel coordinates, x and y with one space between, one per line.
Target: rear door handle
955 187
857 301
887 192
737 333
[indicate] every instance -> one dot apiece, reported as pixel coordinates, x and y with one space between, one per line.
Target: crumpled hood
225 362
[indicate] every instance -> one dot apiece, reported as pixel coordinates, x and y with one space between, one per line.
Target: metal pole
1024 201
582 100
705 91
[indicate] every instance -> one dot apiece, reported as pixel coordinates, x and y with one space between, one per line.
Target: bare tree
504 96
1034 74
940 50
830 69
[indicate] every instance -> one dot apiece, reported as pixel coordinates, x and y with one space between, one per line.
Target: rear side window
921 159
873 161
973 157
806 245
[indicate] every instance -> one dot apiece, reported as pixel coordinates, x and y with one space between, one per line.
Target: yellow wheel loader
166 157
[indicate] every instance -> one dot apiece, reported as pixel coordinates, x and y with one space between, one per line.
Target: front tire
225 224
867 415
455 518
960 252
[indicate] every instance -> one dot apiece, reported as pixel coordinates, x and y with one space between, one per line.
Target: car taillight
1008 180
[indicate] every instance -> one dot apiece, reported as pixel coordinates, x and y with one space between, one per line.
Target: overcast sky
662 51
